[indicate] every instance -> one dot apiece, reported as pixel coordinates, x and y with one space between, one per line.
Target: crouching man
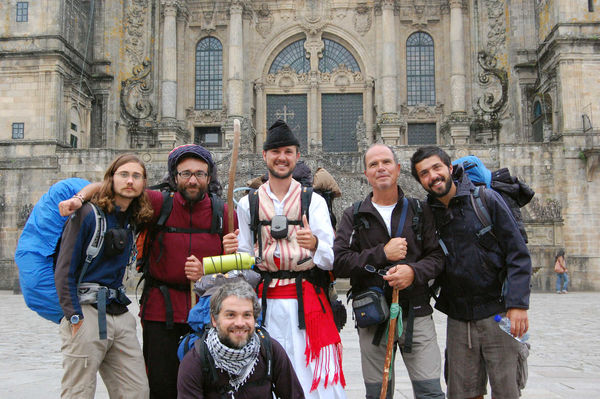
234 359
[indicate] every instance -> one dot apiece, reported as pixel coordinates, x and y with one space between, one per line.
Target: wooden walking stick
232 168
390 345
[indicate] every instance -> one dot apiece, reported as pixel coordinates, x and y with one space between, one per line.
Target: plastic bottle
504 324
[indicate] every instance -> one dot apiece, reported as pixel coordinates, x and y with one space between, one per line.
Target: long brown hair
141 209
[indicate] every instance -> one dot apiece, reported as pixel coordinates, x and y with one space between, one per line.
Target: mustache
436 180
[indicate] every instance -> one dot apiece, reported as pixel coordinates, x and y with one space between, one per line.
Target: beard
445 189
225 340
278 175
192 197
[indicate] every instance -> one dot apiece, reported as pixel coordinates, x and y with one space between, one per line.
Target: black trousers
160 353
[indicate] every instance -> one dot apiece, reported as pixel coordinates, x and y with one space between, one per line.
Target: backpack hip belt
151 282
92 293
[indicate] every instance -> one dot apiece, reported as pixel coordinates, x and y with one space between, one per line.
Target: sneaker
558 292
564 292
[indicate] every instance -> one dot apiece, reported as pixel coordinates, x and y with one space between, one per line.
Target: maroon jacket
168 266
190 381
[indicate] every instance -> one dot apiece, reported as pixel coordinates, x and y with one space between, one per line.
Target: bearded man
234 359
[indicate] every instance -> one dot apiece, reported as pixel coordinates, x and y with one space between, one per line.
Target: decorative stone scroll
135 91
490 103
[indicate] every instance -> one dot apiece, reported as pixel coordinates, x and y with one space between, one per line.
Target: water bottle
504 324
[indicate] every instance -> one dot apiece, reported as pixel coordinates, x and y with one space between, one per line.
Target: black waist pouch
370 307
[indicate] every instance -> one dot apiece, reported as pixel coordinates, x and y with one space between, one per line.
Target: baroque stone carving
205 116
362 19
264 20
421 111
286 78
496 34
135 28
551 211
341 77
489 103
135 91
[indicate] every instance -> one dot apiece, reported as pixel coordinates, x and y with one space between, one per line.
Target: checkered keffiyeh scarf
238 363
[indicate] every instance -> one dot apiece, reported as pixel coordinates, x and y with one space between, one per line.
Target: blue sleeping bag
36 248
475 169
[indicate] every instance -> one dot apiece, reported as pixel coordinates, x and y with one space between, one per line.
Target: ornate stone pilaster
314 141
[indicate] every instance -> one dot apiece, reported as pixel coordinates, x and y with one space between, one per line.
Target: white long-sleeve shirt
318 220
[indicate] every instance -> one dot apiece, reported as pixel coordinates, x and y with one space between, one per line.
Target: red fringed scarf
322 337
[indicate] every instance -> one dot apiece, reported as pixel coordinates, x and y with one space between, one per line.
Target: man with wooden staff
176 241
376 250
296 252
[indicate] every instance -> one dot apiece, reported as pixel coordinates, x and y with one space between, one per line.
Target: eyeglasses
186 174
134 176
371 269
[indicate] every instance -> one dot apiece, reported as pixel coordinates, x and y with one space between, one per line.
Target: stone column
235 75
260 114
368 119
459 122
235 80
167 132
388 120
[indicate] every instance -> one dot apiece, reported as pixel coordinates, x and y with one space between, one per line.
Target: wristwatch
74 319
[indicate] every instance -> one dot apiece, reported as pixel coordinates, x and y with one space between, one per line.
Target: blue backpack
475 169
38 245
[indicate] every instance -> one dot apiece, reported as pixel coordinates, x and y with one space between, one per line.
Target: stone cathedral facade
514 82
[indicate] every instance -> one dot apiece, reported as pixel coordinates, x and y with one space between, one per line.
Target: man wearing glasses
175 250
388 241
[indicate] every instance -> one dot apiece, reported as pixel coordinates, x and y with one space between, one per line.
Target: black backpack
209 370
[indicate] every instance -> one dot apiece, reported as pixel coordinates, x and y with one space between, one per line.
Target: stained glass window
209 74
294 56
420 69
334 55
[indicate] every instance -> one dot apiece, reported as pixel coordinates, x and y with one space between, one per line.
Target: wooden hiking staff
390 347
232 168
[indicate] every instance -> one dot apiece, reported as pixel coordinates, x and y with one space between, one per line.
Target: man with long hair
97 332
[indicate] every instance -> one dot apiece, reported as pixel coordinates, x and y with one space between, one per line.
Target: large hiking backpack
515 193
39 244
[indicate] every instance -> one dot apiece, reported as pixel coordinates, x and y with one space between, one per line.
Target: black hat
279 135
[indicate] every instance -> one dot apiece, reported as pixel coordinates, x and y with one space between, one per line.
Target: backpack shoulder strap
479 203
166 208
417 219
96 242
209 370
253 208
266 348
305 198
218 209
